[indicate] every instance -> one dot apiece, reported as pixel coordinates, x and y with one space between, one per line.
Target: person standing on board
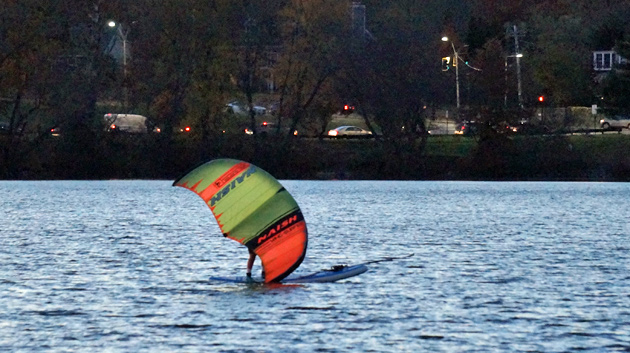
250 264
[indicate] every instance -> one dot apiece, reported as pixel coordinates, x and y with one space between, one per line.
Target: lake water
121 266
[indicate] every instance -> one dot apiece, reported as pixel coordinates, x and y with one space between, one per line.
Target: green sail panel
253 208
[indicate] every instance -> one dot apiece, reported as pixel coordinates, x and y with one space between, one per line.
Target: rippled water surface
122 266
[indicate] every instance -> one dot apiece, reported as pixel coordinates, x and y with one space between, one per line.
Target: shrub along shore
555 157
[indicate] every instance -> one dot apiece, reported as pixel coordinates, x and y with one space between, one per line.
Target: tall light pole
518 66
455 63
518 75
123 35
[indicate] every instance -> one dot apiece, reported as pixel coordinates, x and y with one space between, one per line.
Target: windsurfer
250 263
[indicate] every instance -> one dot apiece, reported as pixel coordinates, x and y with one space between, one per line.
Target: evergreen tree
616 86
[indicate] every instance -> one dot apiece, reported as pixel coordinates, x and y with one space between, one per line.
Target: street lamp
518 78
123 35
455 59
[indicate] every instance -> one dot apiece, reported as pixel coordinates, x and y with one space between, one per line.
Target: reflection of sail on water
254 209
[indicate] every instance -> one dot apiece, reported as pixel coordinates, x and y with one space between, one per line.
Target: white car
349 131
617 122
235 108
129 123
240 109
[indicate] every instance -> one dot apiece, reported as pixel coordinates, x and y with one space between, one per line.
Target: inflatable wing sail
253 208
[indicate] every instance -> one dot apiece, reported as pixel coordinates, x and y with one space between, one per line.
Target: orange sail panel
253 208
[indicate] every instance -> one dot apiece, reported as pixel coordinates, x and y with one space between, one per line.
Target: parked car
237 108
129 123
347 109
349 131
4 128
259 110
529 128
467 128
617 122
268 128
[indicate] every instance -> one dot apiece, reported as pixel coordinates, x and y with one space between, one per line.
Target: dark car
528 128
347 109
5 129
269 128
468 128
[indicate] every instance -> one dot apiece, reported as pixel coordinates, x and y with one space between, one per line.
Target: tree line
186 59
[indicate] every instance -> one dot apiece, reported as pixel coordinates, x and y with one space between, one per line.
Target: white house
604 60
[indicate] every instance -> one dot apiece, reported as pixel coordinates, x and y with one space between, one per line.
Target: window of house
607 61
603 60
599 61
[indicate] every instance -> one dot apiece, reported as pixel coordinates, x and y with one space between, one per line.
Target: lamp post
455 63
518 66
518 77
123 35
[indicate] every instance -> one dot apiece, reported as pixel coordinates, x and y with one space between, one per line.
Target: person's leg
250 262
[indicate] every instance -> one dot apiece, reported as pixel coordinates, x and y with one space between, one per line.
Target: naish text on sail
237 181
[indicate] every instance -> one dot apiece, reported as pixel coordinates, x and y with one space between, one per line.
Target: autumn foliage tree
188 58
53 71
313 36
24 52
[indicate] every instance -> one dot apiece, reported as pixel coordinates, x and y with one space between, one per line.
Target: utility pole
518 67
456 64
513 31
123 36
517 56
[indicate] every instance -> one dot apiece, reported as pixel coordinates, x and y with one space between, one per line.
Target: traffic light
445 63
541 99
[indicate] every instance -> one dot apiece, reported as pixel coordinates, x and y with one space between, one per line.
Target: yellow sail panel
244 202
254 209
